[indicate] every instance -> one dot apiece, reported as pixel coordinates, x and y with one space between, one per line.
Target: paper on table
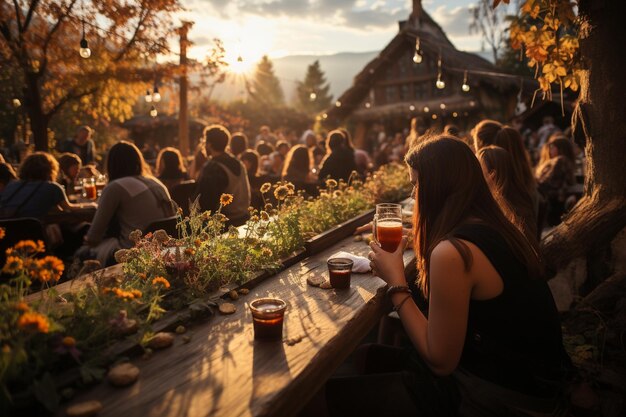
360 264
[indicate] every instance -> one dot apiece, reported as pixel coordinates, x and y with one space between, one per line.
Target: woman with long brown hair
297 169
490 343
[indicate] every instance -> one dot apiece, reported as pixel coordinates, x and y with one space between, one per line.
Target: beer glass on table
89 188
387 226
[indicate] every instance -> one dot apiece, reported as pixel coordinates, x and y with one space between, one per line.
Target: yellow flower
226 199
281 192
12 265
34 321
197 243
3 232
162 281
28 246
136 293
267 252
189 251
337 193
264 215
266 187
68 341
331 183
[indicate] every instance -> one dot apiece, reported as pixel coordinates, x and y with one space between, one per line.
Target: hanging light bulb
84 51
442 106
440 84
324 116
412 107
148 96
426 109
312 96
455 114
417 57
368 105
153 112
16 103
338 103
239 59
434 116
465 87
156 96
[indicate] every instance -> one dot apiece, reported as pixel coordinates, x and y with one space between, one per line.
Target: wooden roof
433 42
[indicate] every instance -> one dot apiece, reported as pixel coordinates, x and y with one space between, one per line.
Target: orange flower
162 281
136 293
22 306
189 251
29 246
3 232
142 275
34 321
13 264
51 267
68 341
226 199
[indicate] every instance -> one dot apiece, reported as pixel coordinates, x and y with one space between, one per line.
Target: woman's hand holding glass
389 266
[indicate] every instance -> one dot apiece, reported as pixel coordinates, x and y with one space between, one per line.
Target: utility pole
183 113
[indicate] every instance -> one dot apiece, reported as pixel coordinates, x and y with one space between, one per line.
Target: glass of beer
267 318
89 188
339 271
387 226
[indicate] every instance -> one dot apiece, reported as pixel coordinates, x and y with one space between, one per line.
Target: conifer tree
312 94
266 87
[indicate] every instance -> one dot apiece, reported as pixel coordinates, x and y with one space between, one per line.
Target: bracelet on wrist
393 289
399 306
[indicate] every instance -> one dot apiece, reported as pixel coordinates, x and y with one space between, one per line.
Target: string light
440 84
338 103
368 105
148 96
324 116
455 114
434 116
16 103
465 87
412 107
442 106
426 109
156 96
153 112
84 51
417 57
312 96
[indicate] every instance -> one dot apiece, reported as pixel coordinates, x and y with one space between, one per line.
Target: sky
252 28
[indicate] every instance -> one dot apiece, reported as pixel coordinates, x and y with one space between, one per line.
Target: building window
421 91
405 92
391 92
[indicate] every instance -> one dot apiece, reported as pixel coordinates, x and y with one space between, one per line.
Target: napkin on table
360 265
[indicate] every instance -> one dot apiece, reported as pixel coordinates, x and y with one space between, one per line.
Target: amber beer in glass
388 226
339 271
89 188
267 318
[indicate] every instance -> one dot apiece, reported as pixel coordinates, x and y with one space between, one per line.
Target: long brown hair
451 191
505 183
125 160
511 140
297 163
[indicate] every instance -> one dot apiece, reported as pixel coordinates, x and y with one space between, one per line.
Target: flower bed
164 280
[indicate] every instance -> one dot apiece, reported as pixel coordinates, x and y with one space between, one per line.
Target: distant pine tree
266 87
312 94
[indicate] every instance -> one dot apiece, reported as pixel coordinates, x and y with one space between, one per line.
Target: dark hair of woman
564 148
511 141
39 166
297 163
252 158
125 160
335 141
170 164
68 160
499 169
238 143
264 148
7 173
446 198
485 132
349 144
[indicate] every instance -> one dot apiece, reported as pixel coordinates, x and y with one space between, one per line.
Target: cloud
455 22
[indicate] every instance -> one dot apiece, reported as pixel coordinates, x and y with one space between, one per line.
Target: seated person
170 167
132 199
297 170
69 168
7 174
491 342
339 161
223 174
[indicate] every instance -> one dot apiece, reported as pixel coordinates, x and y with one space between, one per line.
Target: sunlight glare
253 39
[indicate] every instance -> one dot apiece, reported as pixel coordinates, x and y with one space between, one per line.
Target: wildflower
264 215
281 192
226 199
161 236
266 187
22 306
267 252
34 321
254 218
27 246
190 251
53 265
135 235
126 295
121 256
220 217
3 232
291 188
142 275
331 183
337 193
12 265
162 281
268 206
136 293
148 235
206 215
197 243
179 211
91 265
68 341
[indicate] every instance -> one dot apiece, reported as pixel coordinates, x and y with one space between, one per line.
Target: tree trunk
600 123
34 108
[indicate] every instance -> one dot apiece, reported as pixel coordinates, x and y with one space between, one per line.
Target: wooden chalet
392 88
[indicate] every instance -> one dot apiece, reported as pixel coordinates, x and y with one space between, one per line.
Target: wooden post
183 116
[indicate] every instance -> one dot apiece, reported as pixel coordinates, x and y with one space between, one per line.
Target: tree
39 40
266 89
490 23
312 94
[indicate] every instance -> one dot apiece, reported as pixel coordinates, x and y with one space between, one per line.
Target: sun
240 63
252 39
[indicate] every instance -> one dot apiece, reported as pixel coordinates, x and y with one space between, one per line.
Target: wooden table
223 371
